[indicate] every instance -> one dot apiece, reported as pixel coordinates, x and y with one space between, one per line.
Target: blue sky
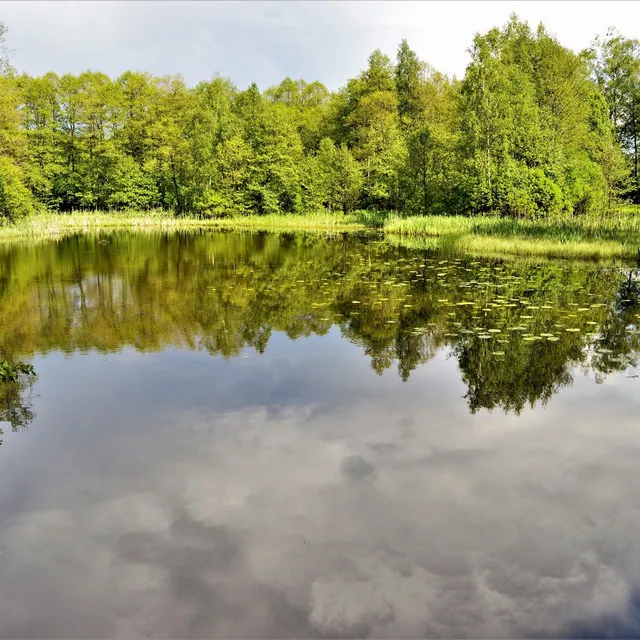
267 41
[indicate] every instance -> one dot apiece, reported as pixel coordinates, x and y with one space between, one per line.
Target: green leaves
16 201
528 128
11 372
526 133
340 176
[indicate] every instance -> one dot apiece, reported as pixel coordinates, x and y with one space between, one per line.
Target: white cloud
266 41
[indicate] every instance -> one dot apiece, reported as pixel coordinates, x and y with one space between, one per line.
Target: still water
247 435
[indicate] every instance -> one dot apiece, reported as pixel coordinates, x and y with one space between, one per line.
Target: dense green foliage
531 130
615 65
11 371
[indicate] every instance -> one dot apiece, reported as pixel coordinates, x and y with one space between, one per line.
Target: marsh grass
614 236
59 225
615 227
617 235
319 221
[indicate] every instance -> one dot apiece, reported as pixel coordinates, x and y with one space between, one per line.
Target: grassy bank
51 225
616 227
617 236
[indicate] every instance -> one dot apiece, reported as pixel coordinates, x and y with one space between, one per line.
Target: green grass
51 225
615 227
615 236
323 221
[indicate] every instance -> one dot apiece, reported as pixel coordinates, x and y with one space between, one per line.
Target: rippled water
273 436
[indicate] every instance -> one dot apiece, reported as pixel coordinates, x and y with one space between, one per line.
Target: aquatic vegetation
11 371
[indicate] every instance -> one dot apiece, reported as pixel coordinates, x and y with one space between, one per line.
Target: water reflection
16 409
517 329
281 488
320 502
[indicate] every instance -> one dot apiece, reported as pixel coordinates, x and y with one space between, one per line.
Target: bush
213 204
16 201
523 192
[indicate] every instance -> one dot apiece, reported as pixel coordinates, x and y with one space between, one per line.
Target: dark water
261 436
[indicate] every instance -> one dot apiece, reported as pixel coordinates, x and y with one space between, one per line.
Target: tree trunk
175 185
424 186
635 147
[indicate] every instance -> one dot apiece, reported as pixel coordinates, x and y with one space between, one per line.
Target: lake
251 435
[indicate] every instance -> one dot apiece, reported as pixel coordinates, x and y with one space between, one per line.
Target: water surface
249 435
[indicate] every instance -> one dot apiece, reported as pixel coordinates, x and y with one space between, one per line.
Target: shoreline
613 238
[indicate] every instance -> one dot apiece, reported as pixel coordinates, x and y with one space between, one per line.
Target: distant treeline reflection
517 329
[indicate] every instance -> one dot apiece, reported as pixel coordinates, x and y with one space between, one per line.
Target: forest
532 130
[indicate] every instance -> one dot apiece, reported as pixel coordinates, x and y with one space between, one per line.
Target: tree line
532 129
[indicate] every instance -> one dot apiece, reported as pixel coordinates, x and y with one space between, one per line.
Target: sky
268 41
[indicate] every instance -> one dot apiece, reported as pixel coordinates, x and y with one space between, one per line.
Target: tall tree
170 160
430 172
40 117
530 130
5 63
615 62
409 85
16 199
340 175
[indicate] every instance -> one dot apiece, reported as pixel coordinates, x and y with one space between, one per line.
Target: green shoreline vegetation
574 238
536 150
